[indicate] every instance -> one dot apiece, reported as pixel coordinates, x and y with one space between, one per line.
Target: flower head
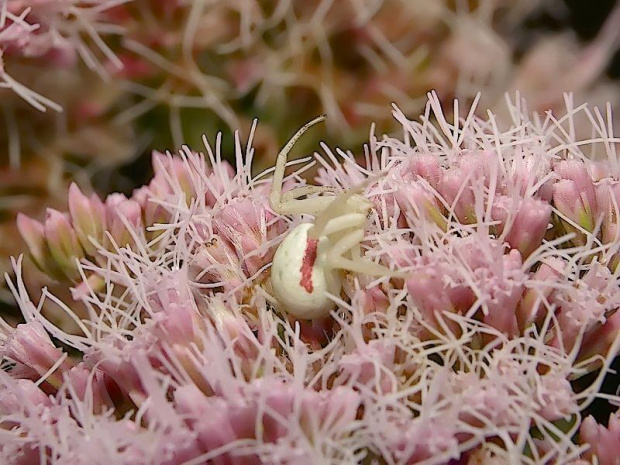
465 346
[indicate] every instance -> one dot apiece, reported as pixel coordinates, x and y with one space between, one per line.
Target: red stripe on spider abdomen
307 265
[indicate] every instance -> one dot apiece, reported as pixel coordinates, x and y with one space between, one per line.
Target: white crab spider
306 266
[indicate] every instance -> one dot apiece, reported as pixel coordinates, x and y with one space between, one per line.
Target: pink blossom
540 286
466 348
245 226
604 441
523 222
471 275
62 242
123 217
31 347
33 233
370 365
588 303
88 218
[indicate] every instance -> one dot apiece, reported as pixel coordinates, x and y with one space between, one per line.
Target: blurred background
88 89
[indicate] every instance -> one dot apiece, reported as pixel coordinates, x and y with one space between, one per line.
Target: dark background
585 17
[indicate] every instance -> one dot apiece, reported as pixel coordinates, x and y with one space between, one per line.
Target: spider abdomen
300 276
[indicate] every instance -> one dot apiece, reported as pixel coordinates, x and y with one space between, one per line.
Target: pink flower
249 228
31 347
585 305
369 365
574 196
217 264
123 219
33 233
88 218
604 441
471 276
52 32
461 184
539 288
523 223
62 242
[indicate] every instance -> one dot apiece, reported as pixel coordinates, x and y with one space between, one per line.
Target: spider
306 265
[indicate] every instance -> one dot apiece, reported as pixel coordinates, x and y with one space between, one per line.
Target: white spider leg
275 196
291 204
311 206
339 206
347 221
336 258
300 191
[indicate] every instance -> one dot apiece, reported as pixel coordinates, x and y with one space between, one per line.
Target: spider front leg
301 191
289 202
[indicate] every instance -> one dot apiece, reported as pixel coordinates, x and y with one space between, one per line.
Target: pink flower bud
215 420
433 298
243 224
585 306
33 233
538 289
418 204
20 398
413 440
153 212
24 394
459 196
608 199
604 442
369 365
503 294
119 368
216 263
423 166
175 314
600 338
30 345
122 213
374 300
574 196
529 173
63 242
219 181
173 175
86 384
556 397
87 217
577 172
529 226
94 283
502 210
567 199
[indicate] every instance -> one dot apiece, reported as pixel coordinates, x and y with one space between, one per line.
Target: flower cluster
174 350
133 74
53 54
